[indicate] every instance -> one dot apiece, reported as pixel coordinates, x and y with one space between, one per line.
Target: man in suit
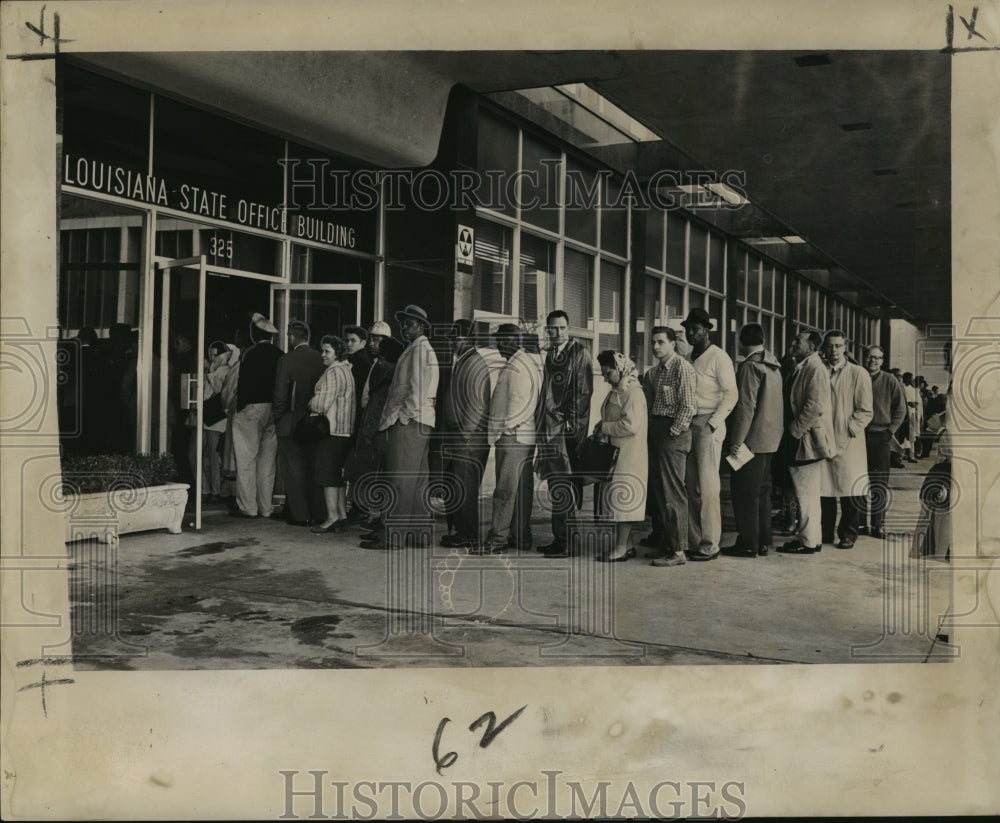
808 440
465 416
512 430
755 423
255 444
408 420
888 414
563 422
294 381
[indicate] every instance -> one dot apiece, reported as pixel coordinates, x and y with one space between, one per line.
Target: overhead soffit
755 112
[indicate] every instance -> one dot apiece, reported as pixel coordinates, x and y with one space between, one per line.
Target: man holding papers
755 427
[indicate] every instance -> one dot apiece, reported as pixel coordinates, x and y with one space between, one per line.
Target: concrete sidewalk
259 594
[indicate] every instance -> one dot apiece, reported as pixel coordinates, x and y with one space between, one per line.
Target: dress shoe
737 551
845 544
863 531
795 547
698 557
652 555
300 522
548 547
608 558
450 541
376 545
556 552
763 550
878 534
675 559
319 529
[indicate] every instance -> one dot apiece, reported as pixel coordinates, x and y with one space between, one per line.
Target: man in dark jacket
294 382
466 415
755 425
563 424
255 444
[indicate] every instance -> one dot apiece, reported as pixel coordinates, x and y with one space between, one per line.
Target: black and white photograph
442 411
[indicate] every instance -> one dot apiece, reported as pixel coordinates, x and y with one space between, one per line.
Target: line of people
826 426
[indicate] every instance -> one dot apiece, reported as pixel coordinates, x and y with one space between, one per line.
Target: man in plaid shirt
670 395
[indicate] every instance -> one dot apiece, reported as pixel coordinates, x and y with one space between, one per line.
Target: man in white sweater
715 396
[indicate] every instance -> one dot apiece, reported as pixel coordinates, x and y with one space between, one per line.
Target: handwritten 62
489 735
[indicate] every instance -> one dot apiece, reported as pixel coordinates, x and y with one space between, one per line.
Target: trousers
255 447
668 498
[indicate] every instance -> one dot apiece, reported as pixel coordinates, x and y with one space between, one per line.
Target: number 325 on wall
220 247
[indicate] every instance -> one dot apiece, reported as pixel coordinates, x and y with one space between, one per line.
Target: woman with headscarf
623 423
334 397
222 357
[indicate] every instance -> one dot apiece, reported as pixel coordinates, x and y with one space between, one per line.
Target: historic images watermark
312 794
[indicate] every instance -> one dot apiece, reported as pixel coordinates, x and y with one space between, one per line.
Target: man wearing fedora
295 379
255 443
715 397
408 419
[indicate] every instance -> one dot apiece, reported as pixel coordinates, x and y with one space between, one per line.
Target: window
614 220
717 263
541 161
491 272
699 255
537 278
676 245
609 311
581 202
497 153
577 288
654 240
674 301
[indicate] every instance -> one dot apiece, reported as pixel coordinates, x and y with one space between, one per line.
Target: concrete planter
105 515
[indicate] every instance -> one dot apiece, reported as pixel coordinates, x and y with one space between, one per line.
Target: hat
699 316
302 326
262 323
415 312
380 327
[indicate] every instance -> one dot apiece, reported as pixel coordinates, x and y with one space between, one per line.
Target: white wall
912 349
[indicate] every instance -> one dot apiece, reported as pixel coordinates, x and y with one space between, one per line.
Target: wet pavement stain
217 547
316 630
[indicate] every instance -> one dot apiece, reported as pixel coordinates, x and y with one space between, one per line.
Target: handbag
311 429
597 461
212 412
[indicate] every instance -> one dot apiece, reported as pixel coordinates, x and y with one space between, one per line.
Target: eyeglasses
875 357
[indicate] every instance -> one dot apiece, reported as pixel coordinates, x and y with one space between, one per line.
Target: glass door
325 308
177 368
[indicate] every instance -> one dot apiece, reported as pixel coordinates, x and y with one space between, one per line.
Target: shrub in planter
120 493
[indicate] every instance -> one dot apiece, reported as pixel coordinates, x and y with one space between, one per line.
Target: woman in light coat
623 423
333 397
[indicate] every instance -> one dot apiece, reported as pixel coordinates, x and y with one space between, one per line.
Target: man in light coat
808 440
466 416
408 420
512 431
756 424
845 475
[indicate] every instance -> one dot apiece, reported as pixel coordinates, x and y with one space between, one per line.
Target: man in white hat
408 420
255 444
715 396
